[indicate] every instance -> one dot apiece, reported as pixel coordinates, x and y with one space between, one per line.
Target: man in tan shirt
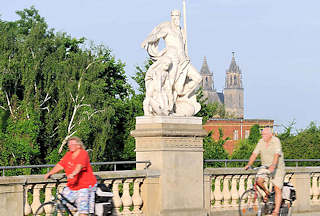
269 148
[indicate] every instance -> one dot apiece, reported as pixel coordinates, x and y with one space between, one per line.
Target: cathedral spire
233 65
233 75
207 76
205 67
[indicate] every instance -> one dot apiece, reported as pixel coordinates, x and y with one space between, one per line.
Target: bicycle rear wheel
250 204
50 209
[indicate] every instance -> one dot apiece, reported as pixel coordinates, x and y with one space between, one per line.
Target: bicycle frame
63 201
65 206
266 206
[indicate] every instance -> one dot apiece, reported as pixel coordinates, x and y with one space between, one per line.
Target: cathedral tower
207 84
207 76
233 90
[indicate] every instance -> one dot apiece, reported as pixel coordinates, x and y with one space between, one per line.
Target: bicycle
58 205
251 201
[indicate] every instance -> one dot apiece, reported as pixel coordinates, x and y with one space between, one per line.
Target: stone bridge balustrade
126 187
222 190
224 187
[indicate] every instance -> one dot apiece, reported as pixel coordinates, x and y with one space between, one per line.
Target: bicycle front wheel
250 204
50 209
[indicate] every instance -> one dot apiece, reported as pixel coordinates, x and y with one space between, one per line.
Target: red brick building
235 129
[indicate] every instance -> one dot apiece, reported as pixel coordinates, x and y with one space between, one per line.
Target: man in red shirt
82 183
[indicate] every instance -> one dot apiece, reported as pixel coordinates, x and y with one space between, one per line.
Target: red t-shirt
85 177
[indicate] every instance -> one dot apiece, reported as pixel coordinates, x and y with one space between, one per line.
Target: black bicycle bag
103 200
288 191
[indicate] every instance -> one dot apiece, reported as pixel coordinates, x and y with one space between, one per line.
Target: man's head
266 134
75 143
175 17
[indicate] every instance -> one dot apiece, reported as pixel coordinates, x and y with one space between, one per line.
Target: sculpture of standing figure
183 76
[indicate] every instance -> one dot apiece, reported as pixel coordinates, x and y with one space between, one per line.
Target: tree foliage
209 110
245 147
305 144
213 149
52 87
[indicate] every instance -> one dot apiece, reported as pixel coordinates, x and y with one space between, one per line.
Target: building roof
221 97
247 120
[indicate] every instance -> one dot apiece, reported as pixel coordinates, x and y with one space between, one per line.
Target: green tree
214 149
255 134
245 147
51 88
209 110
305 144
134 109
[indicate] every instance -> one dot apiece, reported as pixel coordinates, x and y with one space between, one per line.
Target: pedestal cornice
167 126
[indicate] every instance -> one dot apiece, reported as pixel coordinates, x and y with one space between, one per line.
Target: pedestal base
174 147
184 212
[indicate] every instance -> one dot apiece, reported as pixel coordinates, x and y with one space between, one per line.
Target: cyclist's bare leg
260 183
278 199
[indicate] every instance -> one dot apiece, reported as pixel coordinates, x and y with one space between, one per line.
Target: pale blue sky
276 43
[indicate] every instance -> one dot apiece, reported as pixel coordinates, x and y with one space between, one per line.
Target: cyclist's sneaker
266 198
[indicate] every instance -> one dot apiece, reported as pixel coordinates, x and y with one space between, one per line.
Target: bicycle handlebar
259 167
58 179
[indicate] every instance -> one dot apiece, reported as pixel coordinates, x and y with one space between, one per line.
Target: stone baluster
314 188
318 189
48 197
217 194
250 184
27 207
36 198
250 181
107 183
211 192
60 187
234 191
136 197
117 202
226 192
242 185
311 192
126 198
59 190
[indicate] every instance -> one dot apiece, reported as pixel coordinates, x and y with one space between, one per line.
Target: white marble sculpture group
171 80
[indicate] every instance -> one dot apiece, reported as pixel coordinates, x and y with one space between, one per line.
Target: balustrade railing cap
38 179
242 171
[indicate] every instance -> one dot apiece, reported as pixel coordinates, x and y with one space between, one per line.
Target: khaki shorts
276 177
264 173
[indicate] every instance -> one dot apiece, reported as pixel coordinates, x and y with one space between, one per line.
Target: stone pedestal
174 147
301 181
11 200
